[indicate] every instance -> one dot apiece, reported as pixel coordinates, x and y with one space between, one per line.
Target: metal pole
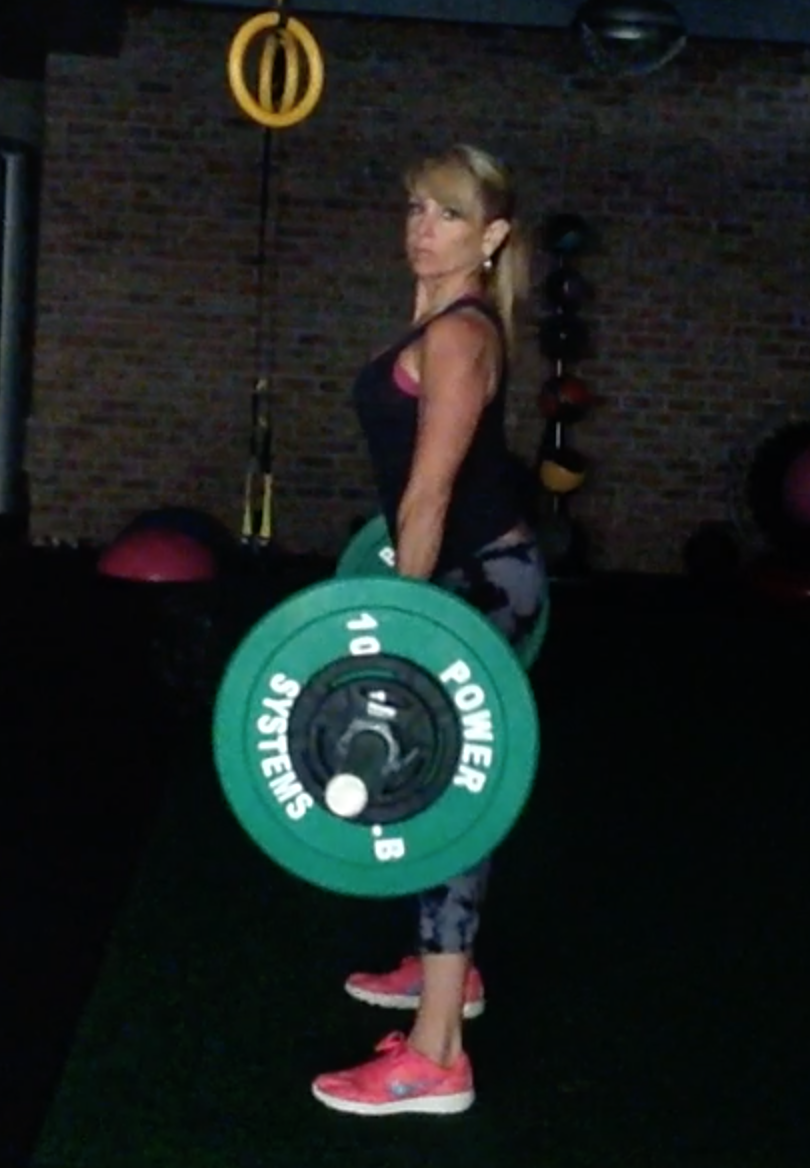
13 309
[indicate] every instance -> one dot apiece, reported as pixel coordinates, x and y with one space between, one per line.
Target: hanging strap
260 462
261 337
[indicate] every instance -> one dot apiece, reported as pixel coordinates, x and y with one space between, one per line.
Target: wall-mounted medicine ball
565 289
565 399
564 338
562 471
565 234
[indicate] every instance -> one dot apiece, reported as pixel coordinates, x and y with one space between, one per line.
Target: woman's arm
457 371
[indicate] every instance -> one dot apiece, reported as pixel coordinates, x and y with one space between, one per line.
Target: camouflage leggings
507 584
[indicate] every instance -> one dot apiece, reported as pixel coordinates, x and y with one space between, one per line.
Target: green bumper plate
370 553
480 673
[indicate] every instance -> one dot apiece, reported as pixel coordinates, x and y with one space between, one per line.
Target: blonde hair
475 181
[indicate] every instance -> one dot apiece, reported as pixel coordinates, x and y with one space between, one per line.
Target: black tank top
484 503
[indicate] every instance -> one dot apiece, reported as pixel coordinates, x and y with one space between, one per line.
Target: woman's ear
495 234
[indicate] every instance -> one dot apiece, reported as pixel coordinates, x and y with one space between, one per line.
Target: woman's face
446 236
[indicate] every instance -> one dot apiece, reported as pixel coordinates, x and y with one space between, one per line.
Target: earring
487 264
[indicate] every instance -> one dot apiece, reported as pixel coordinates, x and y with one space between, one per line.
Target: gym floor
169 993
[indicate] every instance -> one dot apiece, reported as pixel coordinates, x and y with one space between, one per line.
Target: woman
432 408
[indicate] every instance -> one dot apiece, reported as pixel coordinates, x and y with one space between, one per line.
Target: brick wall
697 180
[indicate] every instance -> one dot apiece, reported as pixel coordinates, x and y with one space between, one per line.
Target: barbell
375 736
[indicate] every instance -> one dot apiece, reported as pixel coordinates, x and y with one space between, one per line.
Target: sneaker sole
418 1105
404 1001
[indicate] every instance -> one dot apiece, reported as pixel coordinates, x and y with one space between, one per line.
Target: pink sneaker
399 1080
401 989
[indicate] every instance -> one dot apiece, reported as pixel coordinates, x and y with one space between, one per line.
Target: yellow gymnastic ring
299 35
292 71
